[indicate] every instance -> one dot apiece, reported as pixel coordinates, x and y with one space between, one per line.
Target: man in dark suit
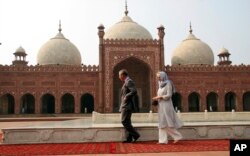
128 91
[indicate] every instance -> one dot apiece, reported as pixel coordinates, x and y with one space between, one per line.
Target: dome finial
60 29
126 8
190 28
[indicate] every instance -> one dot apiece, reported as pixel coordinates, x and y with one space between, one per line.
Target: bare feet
176 141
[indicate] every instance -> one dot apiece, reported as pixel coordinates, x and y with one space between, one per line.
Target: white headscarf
164 80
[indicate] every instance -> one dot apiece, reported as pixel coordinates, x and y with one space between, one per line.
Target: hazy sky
31 23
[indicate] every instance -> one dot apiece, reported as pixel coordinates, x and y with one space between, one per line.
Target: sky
31 23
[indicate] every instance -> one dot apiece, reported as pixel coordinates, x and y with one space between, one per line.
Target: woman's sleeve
169 92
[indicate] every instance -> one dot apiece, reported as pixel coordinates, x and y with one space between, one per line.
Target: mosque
61 83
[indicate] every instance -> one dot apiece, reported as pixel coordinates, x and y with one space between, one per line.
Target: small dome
59 50
223 51
127 29
20 50
192 51
101 25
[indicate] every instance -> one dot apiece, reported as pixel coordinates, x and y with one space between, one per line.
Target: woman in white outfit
168 119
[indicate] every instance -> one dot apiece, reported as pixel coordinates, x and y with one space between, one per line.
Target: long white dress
168 119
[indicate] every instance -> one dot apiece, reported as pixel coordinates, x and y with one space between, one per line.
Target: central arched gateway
140 73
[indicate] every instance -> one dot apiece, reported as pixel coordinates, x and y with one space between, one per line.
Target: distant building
60 83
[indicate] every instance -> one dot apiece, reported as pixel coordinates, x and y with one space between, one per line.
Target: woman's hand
157 98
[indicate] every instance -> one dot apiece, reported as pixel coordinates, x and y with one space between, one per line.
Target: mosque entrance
27 104
68 103
230 100
7 104
87 103
48 104
194 102
246 101
212 102
140 73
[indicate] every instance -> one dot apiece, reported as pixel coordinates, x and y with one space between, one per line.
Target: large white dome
127 29
192 51
59 50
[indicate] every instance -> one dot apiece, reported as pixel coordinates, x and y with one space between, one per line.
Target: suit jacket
128 90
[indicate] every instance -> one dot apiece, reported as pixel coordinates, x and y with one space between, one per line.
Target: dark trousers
126 122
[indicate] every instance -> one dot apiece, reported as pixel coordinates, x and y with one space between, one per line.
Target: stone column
185 102
239 101
57 103
203 102
221 102
17 103
4 105
77 103
37 104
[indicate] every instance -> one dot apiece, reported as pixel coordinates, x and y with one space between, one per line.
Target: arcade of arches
27 103
212 102
47 104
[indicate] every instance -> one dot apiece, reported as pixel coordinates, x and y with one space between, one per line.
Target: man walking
128 92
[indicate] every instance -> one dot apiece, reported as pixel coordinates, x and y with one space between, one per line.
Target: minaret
224 57
20 57
161 35
101 34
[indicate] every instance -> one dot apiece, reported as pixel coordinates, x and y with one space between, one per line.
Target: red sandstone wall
205 79
56 80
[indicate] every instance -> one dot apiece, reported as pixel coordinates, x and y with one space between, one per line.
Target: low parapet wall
116 133
107 128
186 117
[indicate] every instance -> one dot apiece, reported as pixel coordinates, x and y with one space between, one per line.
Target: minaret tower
224 57
20 57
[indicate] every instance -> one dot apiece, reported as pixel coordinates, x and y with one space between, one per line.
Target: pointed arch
68 103
140 72
7 104
48 104
230 101
87 103
212 102
177 101
246 101
194 102
135 57
28 104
